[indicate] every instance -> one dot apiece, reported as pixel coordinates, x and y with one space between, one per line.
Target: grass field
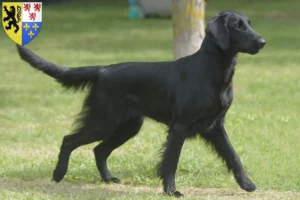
263 123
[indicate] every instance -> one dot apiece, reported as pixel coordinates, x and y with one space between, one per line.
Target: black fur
190 95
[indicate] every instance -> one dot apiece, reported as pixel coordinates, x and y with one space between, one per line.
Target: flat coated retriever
190 95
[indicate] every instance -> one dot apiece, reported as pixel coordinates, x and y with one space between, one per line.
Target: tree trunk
188 26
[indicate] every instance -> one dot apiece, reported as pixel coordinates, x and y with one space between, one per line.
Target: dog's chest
226 86
225 95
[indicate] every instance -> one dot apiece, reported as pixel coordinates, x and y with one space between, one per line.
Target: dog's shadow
82 190
30 181
67 190
45 171
73 186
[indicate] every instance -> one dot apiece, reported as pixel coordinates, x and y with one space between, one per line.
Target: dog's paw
58 175
248 186
176 194
113 179
244 182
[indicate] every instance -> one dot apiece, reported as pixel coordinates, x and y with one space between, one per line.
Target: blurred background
263 122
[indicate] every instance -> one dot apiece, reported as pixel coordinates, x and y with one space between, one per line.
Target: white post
188 26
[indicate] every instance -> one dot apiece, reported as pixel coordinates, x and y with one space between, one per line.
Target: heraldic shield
22 21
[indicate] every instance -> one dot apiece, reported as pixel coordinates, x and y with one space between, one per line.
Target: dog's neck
209 46
226 59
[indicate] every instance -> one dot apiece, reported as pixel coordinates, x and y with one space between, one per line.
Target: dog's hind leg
70 143
90 132
218 138
95 124
124 132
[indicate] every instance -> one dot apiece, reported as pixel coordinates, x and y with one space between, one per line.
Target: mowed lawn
263 122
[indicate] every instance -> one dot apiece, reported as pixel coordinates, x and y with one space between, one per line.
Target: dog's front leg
218 138
168 165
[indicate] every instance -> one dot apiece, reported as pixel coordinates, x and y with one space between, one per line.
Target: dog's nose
261 42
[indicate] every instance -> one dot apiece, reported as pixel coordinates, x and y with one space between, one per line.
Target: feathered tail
71 78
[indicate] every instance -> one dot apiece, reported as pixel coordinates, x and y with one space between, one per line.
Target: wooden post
188 26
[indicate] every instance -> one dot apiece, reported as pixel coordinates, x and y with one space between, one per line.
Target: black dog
191 95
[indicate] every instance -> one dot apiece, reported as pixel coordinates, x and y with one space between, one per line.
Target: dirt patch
128 191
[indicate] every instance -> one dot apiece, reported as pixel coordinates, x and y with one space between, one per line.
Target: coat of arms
22 21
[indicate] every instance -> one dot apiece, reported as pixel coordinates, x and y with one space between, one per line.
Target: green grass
263 123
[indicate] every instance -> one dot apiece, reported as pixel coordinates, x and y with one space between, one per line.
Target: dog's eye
241 25
249 22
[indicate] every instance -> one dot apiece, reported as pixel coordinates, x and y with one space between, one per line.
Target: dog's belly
153 108
157 113
194 119
197 114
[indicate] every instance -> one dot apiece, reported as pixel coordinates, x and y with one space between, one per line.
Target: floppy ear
218 28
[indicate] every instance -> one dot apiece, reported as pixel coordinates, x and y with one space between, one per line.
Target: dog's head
233 30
